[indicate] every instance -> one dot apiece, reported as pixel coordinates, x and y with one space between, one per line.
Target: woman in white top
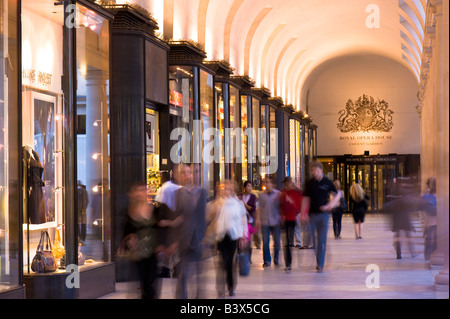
231 230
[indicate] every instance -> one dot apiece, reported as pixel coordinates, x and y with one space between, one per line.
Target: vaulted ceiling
278 43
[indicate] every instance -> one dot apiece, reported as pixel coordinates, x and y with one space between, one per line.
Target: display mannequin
34 185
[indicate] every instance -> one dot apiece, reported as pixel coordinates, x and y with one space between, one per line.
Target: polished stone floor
351 269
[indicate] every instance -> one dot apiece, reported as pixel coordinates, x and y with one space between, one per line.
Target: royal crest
365 115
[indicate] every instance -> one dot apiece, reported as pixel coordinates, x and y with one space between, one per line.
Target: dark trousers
227 249
337 222
430 234
148 273
289 227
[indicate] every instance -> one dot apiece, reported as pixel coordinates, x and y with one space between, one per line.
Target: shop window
42 125
256 119
152 150
207 121
181 110
9 164
244 126
220 125
93 165
234 123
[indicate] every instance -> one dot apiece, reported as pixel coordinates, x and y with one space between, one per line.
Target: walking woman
337 212
231 231
249 201
358 205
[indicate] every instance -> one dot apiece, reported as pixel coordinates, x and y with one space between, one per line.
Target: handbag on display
44 261
58 248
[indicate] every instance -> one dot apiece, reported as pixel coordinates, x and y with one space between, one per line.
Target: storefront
250 122
139 115
191 111
65 146
10 165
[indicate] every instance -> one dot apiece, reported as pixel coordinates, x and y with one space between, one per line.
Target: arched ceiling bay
278 43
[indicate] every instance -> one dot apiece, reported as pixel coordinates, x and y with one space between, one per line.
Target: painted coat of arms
364 115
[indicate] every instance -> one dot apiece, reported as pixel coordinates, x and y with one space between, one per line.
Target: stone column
96 142
442 278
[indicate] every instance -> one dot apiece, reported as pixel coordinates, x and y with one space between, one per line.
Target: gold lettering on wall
34 77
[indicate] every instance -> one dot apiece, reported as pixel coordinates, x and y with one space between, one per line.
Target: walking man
268 211
316 197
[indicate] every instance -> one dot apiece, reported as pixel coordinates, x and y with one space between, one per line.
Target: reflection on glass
244 126
207 121
181 107
234 123
220 125
256 118
9 167
93 186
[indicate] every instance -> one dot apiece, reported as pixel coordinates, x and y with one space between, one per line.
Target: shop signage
176 98
35 77
370 159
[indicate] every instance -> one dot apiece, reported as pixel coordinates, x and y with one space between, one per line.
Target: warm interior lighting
96 155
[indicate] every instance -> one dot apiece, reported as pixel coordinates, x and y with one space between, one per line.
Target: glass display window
9 160
42 126
152 150
234 124
93 165
181 110
256 161
244 126
220 126
207 122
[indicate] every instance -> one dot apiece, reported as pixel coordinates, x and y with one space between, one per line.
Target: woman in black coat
358 207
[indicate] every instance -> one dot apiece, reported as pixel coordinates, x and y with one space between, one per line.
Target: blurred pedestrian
231 232
406 201
316 197
358 207
249 201
141 239
290 204
166 195
268 212
190 202
430 229
338 211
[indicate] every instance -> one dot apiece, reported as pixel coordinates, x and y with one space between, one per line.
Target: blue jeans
266 231
319 230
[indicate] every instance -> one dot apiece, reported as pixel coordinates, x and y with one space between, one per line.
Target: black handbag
44 261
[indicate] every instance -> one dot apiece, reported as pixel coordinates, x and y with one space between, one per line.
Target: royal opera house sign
365 115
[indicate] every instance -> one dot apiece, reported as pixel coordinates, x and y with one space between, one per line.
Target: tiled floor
345 273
